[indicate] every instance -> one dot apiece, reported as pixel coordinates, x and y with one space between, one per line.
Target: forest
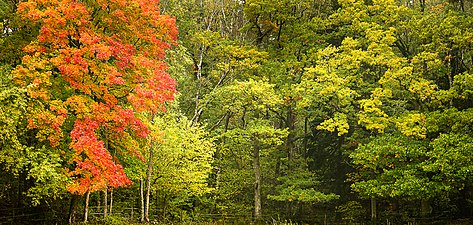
236 112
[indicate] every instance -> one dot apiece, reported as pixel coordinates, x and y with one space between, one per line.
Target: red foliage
99 63
95 169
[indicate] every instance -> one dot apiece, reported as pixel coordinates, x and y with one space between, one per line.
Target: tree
19 156
182 163
14 35
393 166
403 85
95 66
247 105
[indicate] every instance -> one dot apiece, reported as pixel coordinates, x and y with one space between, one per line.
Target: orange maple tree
96 65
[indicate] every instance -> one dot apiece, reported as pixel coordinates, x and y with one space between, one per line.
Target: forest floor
127 222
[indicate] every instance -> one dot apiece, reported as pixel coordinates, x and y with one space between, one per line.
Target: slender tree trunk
197 110
164 206
142 218
86 209
105 192
99 200
148 182
452 73
157 202
105 203
257 171
20 178
306 134
373 210
290 124
111 201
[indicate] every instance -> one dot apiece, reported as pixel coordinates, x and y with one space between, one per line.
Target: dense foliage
184 110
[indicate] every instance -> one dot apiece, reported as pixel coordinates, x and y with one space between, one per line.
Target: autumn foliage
95 66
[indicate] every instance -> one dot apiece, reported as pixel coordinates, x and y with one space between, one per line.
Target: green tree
184 153
22 159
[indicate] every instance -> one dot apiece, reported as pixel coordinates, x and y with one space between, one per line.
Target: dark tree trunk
290 124
72 209
99 200
373 211
164 206
257 171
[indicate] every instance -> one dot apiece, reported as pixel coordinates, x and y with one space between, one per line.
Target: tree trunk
72 209
373 210
105 203
157 203
142 218
257 171
148 182
99 201
20 178
111 201
290 124
197 110
306 136
164 206
86 209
